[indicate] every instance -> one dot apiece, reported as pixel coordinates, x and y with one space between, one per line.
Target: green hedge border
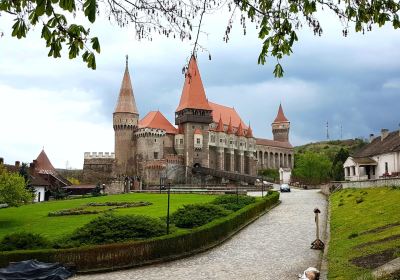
100 258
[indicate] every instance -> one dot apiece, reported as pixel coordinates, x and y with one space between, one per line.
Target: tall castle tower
125 123
193 117
281 126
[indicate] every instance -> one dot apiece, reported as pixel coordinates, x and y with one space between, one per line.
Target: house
43 177
378 159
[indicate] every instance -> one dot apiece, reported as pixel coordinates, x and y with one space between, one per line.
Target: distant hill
331 148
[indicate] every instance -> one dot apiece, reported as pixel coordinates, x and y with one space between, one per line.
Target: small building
378 159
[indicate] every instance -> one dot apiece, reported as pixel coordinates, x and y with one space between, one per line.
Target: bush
233 202
111 228
194 215
23 241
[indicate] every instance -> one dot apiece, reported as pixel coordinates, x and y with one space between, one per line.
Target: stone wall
372 183
115 187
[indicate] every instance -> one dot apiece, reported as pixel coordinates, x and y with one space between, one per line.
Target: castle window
155 140
181 141
155 155
231 142
220 140
198 140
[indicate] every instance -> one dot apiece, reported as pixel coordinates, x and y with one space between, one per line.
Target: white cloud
60 121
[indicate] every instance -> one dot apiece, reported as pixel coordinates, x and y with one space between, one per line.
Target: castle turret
194 112
125 123
281 126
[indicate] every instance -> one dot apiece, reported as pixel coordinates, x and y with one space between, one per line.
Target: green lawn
376 216
33 217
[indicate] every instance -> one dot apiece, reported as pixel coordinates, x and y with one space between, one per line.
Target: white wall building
379 159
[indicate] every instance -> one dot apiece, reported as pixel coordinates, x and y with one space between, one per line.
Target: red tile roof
197 131
220 126
126 100
155 119
227 114
43 163
230 129
267 142
249 132
280 117
240 131
193 94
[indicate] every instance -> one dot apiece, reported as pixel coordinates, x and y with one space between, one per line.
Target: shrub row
194 215
134 253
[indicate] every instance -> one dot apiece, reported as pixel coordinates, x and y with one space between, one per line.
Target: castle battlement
93 155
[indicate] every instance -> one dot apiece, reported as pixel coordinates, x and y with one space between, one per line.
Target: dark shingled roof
389 144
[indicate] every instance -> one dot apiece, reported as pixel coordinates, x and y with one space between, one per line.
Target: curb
324 260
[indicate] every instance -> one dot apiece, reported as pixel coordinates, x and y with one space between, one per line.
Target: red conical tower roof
249 133
281 116
230 129
126 101
43 162
240 131
193 94
220 126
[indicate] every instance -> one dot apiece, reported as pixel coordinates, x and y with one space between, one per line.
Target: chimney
1 160
17 163
385 133
371 137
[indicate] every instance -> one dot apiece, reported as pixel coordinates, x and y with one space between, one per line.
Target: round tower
281 126
125 124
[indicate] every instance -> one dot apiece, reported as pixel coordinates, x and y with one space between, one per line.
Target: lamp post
317 244
169 190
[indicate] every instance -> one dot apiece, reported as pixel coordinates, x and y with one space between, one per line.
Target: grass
358 217
33 218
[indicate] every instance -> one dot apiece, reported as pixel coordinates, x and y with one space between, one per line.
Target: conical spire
240 131
126 101
249 133
280 117
220 126
230 129
193 94
43 162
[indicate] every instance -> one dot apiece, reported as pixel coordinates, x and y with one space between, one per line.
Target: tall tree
277 21
312 168
12 188
24 172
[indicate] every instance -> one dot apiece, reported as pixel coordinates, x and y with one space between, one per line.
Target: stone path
276 246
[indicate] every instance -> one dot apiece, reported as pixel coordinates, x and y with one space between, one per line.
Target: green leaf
278 71
90 10
95 44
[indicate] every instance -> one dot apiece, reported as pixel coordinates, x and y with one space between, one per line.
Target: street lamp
169 190
317 244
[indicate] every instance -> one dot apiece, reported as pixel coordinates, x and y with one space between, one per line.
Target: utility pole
327 130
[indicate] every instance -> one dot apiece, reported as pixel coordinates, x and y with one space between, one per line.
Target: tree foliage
12 188
276 21
312 168
337 172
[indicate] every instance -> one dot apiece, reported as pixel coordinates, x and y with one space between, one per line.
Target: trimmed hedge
136 253
194 215
233 202
23 241
111 229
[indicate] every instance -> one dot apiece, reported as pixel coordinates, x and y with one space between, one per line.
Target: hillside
331 148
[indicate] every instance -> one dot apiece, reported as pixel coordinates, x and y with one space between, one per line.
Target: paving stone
276 246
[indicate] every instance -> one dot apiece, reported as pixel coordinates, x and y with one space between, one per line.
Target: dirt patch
375 260
379 229
390 238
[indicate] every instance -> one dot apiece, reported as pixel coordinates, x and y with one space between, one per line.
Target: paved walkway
275 247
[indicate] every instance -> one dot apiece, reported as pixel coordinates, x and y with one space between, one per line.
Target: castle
207 135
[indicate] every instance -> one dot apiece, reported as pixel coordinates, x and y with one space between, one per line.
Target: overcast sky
59 104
